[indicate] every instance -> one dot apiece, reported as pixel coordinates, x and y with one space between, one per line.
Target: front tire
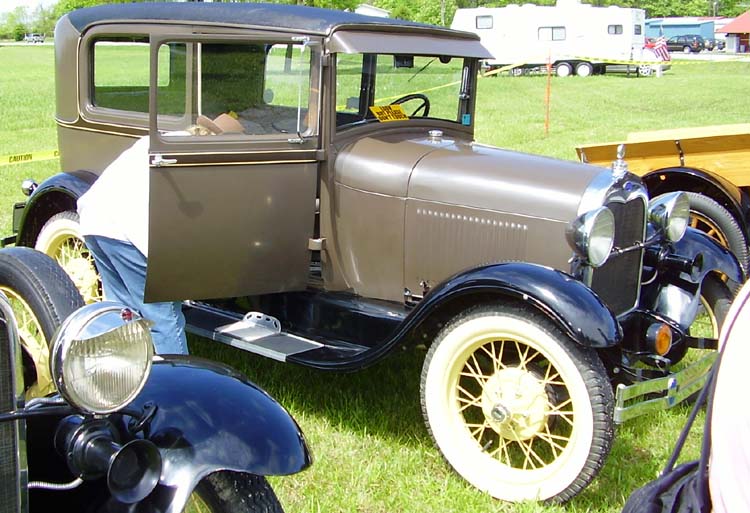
42 296
233 492
516 407
61 239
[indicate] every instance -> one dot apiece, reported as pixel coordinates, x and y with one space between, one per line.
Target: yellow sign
20 158
393 112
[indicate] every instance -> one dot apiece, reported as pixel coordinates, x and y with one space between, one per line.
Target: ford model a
118 434
354 213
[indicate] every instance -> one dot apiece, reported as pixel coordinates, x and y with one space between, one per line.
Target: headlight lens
101 357
592 235
670 214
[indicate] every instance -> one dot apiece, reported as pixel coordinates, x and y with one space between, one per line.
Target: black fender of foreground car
56 194
209 417
566 301
715 256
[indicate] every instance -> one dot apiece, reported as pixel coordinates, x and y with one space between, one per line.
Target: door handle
158 161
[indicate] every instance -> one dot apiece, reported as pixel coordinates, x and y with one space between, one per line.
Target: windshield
388 87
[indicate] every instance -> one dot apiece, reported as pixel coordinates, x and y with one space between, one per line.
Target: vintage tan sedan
355 213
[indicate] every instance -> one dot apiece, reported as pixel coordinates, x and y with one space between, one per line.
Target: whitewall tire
517 408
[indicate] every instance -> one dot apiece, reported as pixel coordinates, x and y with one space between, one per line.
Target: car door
231 212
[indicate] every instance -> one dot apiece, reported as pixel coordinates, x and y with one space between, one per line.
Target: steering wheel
424 106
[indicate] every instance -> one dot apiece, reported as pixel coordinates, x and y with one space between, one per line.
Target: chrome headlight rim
83 325
670 214
592 236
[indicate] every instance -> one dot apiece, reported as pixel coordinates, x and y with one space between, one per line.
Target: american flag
660 49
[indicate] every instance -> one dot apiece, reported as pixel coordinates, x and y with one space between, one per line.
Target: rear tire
42 296
61 239
584 69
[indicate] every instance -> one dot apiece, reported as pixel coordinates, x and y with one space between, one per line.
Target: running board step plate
255 332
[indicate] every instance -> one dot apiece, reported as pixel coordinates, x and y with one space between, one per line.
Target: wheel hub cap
515 404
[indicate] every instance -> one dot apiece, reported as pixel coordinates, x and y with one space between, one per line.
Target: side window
637 29
484 22
120 73
615 29
551 33
259 88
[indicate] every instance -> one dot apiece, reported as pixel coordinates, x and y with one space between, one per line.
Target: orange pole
547 95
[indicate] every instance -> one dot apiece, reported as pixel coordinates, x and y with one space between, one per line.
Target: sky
9 5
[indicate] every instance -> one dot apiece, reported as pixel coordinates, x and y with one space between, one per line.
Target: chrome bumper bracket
634 400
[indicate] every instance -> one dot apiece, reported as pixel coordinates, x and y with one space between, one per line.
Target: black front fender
715 256
565 300
211 418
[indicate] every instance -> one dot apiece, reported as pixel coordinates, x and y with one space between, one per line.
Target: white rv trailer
573 37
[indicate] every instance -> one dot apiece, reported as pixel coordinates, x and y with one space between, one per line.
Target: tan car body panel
397 206
407 209
722 149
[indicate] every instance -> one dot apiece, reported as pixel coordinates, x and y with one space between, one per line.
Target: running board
255 332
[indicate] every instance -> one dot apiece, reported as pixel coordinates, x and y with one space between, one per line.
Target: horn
91 450
134 471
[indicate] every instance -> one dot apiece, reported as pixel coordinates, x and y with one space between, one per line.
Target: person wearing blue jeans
122 268
114 223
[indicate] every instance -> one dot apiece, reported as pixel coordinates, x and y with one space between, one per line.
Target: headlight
101 357
592 234
670 214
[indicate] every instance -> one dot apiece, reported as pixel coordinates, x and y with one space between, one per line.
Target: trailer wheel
644 70
563 69
584 69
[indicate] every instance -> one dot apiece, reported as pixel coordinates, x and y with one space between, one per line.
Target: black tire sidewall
42 284
237 492
725 222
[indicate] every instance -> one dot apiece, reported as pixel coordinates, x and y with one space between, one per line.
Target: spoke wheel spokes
34 343
514 404
73 256
709 227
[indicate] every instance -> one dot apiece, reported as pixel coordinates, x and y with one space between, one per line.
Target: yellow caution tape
21 158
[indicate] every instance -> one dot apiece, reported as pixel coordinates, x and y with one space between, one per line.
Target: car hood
448 171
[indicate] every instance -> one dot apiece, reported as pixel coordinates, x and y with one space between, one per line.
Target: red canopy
740 25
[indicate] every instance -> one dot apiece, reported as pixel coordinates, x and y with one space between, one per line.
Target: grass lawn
372 452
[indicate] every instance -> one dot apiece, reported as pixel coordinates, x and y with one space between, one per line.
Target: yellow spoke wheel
515 406
61 239
41 296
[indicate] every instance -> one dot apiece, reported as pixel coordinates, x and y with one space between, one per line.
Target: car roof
292 17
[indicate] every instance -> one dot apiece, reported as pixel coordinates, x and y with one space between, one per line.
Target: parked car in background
712 44
121 429
690 43
355 213
34 38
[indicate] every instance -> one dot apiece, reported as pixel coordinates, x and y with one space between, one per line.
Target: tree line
14 24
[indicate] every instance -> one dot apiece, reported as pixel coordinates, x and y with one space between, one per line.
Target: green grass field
372 452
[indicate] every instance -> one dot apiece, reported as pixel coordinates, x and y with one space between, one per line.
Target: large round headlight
101 357
670 214
592 234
